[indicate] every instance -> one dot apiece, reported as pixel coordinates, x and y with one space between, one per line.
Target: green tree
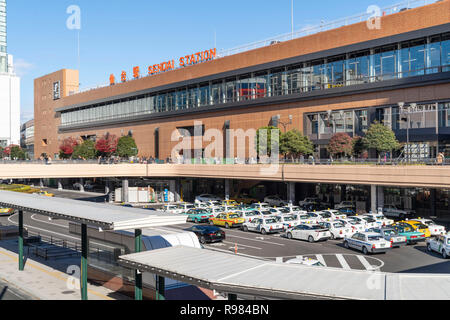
381 138
340 145
294 143
267 140
86 150
126 147
18 153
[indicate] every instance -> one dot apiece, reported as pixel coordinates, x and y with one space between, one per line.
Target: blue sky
117 35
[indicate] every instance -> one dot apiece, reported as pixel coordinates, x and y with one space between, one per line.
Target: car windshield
429 223
303 217
317 227
375 238
289 218
338 225
325 215
448 240
380 217
421 226
234 216
201 211
268 221
251 214
284 210
266 213
312 215
368 219
390 232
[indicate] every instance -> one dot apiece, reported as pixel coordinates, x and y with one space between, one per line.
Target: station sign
188 60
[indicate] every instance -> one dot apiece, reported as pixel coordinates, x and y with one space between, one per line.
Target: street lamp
407 112
285 124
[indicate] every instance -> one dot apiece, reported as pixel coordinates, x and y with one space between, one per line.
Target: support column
227 189
84 257
60 186
373 198
21 260
137 273
125 185
41 183
291 192
160 288
433 213
380 197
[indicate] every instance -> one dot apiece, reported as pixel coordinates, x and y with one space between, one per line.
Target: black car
208 234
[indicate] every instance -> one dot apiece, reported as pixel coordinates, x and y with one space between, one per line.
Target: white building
9 90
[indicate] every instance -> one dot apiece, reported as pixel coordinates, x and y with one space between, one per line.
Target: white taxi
440 244
311 233
335 214
337 229
366 221
380 219
368 242
263 225
249 215
288 221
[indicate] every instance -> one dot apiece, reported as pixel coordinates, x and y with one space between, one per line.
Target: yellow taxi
227 220
230 203
6 211
245 199
45 193
419 227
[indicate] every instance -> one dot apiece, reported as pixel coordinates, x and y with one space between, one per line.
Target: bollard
235 248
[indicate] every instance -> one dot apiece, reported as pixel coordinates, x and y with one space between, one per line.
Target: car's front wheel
245 228
310 239
289 235
211 222
332 236
263 231
227 226
346 245
444 254
429 247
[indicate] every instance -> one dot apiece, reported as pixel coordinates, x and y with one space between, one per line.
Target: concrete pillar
174 186
81 185
60 186
376 198
227 189
41 183
433 213
373 198
125 185
380 197
291 192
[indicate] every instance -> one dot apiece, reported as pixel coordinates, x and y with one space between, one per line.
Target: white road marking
365 263
343 262
321 259
50 223
241 245
276 244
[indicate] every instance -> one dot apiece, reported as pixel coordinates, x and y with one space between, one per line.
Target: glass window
230 91
362 122
445 51
357 68
385 64
434 55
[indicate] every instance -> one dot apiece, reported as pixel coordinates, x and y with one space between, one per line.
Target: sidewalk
41 282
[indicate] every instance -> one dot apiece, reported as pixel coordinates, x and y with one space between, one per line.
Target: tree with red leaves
341 144
67 147
107 145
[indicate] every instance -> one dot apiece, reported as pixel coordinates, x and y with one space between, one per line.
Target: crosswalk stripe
342 261
321 259
365 263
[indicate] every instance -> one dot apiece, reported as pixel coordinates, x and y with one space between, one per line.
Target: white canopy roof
243 275
104 216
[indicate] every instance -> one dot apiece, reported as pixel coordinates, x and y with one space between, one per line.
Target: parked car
412 236
227 220
207 234
418 226
355 225
6 211
325 216
249 215
264 212
263 225
206 197
434 228
338 230
393 212
366 221
173 209
345 204
279 211
45 193
310 200
246 199
185 207
199 215
287 220
310 207
380 219
260 206
314 217
305 262
368 242
294 209
230 203
276 201
440 244
311 233
335 214
347 211
391 235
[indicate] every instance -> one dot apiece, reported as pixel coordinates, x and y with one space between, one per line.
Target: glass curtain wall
401 60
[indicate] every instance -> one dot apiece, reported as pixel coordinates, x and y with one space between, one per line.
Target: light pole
285 124
406 111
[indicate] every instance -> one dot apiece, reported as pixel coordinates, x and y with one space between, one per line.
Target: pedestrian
440 159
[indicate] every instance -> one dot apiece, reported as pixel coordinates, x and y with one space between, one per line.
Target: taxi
6 211
45 193
227 220
230 203
419 227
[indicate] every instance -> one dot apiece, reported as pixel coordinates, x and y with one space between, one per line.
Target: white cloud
22 67
26 115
